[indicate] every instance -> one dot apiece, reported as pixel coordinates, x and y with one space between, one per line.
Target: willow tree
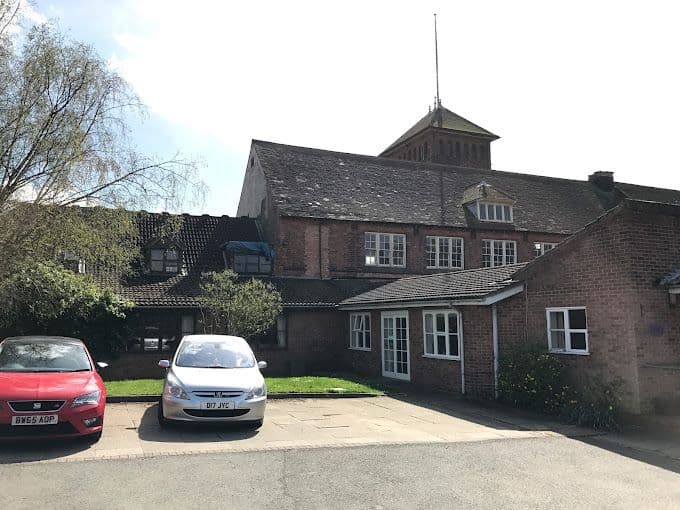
65 141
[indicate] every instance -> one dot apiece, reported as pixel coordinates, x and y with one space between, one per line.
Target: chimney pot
602 180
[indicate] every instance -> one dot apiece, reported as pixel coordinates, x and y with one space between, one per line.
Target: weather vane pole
436 60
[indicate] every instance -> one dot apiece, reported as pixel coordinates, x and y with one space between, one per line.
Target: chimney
602 180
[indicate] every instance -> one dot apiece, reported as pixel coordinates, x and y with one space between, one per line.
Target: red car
49 387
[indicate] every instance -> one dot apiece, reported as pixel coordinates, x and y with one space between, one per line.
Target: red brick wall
440 374
612 269
342 247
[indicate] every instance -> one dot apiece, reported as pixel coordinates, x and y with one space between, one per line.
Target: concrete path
131 429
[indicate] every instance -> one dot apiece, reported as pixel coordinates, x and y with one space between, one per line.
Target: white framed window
488 211
251 264
165 260
444 252
442 334
360 331
498 253
567 330
385 249
541 248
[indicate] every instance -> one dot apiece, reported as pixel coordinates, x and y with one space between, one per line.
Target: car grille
222 413
218 394
38 430
43 406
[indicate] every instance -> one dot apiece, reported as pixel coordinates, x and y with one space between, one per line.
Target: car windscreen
43 357
215 355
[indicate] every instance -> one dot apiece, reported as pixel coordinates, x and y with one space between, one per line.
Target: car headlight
89 399
173 387
258 391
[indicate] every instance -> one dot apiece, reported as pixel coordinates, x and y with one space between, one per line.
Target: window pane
239 263
428 323
171 267
578 341
384 249
506 212
482 211
453 323
444 251
498 253
171 254
487 253
398 250
457 254
510 252
490 212
499 213
429 343
441 323
353 339
187 324
157 265
156 254
281 331
557 340
371 252
265 265
577 319
453 345
367 339
441 344
151 344
431 251
556 320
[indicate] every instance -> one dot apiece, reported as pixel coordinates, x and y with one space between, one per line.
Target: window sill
386 266
573 353
445 268
439 356
364 349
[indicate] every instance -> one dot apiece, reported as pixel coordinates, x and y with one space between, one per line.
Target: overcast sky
570 88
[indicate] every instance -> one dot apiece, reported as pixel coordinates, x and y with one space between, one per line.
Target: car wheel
162 420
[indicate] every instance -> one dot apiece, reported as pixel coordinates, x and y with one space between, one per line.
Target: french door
395 349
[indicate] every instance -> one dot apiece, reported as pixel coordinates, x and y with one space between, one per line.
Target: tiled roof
307 293
200 238
443 118
461 285
322 184
334 185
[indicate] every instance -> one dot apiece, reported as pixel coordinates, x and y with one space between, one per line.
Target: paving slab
131 429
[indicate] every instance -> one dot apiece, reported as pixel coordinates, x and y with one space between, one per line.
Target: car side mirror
261 364
164 363
101 364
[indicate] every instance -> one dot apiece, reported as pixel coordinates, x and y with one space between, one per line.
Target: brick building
423 264
430 216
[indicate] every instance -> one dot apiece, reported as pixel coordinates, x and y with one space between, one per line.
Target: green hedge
532 378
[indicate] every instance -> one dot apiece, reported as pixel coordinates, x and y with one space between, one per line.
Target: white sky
570 88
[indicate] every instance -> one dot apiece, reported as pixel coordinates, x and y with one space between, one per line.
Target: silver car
213 378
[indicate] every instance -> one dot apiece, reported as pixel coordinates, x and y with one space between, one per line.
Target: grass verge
305 384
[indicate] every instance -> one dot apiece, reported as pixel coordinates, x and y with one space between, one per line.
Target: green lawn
306 384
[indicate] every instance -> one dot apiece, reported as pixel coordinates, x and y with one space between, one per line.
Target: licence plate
36 419
217 405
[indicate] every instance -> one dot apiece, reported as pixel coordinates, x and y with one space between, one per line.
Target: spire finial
436 62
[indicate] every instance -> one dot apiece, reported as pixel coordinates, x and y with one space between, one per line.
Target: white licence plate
218 405
36 419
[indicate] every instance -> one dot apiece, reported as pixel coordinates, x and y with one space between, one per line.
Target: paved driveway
131 429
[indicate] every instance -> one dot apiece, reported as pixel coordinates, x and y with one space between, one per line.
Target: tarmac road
552 472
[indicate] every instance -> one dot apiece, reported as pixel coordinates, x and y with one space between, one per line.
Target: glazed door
395 349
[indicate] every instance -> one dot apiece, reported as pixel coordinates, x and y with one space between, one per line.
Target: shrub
532 378
596 405
47 299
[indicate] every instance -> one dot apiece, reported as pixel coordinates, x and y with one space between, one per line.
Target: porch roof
471 286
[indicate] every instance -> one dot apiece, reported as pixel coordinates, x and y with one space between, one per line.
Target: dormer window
252 264
165 260
488 211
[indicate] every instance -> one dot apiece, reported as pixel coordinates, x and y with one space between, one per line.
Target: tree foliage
49 299
65 140
242 309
